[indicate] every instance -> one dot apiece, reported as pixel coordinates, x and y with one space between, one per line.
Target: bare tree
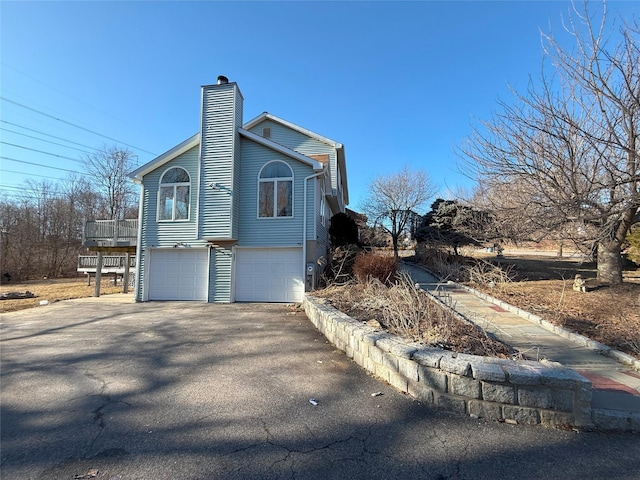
41 228
108 169
564 157
395 199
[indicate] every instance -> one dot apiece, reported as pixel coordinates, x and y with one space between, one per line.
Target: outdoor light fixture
218 186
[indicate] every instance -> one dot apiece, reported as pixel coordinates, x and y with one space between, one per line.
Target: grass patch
53 290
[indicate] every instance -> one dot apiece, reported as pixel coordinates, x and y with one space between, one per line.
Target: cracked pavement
97 388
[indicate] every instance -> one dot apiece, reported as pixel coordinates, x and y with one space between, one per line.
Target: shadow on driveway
96 389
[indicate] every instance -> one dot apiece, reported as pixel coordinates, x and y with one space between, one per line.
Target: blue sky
398 83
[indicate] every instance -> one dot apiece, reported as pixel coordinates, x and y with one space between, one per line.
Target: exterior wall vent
222 80
266 132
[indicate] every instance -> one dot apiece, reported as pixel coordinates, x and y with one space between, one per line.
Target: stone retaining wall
523 392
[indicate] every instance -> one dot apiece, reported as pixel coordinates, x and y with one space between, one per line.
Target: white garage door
179 274
269 275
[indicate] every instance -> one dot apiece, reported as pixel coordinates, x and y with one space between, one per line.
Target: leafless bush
371 265
482 272
340 271
440 262
407 311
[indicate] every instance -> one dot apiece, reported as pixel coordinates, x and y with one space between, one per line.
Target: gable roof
194 141
317 166
337 145
267 116
160 160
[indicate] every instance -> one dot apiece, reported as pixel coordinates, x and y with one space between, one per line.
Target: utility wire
74 125
30 174
42 151
46 134
63 93
40 165
43 140
13 196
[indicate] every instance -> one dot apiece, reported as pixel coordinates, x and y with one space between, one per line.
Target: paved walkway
615 386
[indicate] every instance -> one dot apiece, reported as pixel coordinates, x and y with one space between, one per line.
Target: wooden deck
109 237
111 234
110 263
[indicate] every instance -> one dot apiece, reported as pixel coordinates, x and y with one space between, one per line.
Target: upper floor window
173 197
275 190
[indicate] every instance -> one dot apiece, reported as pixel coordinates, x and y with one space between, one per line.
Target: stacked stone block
523 392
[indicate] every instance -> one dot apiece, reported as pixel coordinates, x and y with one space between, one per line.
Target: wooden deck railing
110 263
111 232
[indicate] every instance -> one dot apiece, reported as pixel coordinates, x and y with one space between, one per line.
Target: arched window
275 190
173 197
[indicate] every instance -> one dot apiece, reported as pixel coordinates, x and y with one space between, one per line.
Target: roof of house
268 116
194 141
337 145
160 160
281 148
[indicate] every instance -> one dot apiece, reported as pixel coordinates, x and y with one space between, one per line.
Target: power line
74 125
34 193
43 140
42 151
63 93
46 134
40 165
29 174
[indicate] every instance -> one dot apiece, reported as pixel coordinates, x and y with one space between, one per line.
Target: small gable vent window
266 132
174 194
275 190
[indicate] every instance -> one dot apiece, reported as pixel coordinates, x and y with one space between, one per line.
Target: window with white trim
174 194
275 190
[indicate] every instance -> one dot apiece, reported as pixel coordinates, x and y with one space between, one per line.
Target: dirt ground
53 290
543 285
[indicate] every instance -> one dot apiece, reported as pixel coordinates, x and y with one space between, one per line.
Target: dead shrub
464 269
407 311
441 262
371 265
482 272
340 270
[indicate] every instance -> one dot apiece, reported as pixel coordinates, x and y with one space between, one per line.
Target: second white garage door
179 274
269 275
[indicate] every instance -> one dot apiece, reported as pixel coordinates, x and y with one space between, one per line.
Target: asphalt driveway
100 388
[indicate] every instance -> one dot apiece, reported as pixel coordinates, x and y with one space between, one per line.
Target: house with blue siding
239 211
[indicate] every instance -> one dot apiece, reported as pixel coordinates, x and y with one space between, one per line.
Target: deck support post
125 277
96 292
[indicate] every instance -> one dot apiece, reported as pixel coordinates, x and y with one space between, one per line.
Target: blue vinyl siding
221 117
157 234
272 231
220 274
322 232
300 143
294 140
237 170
